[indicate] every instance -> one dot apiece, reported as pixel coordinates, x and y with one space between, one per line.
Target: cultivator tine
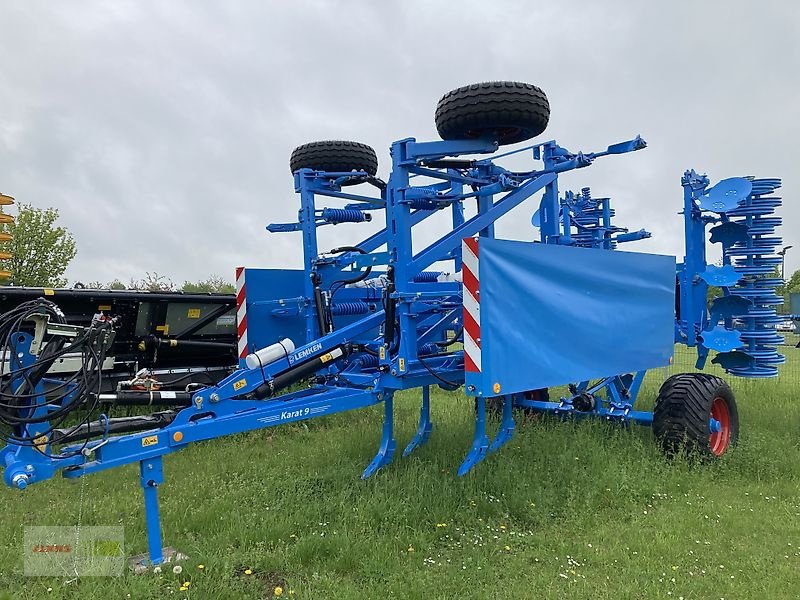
425 425
480 443
507 426
388 443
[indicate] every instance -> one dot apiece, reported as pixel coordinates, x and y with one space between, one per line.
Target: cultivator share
505 319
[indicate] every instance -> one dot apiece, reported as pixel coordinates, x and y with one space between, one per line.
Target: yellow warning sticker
163 328
49 292
496 388
383 353
40 443
239 384
402 364
151 440
326 357
104 307
193 313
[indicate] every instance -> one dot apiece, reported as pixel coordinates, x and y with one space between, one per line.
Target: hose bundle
69 401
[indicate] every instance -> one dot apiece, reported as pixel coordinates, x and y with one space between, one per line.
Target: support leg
506 426
151 475
425 425
386 450
480 443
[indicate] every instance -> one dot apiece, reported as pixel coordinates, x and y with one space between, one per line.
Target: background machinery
505 319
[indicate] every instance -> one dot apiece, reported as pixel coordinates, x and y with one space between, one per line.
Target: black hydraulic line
452 340
449 164
337 285
102 427
319 304
360 276
391 303
299 372
157 342
146 398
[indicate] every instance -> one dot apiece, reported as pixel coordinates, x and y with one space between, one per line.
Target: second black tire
684 408
335 156
505 111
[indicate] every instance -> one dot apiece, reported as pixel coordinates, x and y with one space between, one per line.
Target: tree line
41 250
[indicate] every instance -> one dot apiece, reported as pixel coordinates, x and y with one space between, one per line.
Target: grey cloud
162 130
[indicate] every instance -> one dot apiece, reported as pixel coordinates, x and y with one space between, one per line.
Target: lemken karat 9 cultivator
506 319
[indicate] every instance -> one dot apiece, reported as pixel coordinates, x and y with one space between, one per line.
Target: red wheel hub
720 440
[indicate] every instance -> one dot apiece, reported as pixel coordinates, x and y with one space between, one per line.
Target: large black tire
334 156
504 111
684 406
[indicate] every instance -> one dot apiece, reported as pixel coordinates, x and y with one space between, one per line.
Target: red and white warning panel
241 314
472 306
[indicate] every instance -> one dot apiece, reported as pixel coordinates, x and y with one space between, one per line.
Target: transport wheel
684 408
504 111
334 155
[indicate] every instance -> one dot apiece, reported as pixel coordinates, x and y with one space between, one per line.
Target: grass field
566 510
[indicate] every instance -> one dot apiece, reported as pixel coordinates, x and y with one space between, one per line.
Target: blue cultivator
508 320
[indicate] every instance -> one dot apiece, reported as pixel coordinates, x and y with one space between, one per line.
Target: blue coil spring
343 215
587 214
429 348
350 308
757 260
427 276
424 204
365 361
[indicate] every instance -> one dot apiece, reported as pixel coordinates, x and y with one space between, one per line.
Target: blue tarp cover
552 315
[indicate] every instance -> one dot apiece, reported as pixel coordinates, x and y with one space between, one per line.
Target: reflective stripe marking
472 306
241 313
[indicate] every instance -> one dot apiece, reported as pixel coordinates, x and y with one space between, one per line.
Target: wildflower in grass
201 567
186 584
411 548
177 569
508 548
278 591
441 525
156 570
248 571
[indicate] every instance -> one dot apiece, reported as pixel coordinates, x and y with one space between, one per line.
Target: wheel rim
720 440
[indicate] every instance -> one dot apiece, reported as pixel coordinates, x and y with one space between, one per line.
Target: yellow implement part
5 274
6 200
6 218
6 237
4 255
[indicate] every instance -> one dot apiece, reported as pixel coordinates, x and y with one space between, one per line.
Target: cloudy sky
162 130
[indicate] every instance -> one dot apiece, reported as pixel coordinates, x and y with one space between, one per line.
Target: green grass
565 510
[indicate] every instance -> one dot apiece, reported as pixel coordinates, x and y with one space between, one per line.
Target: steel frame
365 362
